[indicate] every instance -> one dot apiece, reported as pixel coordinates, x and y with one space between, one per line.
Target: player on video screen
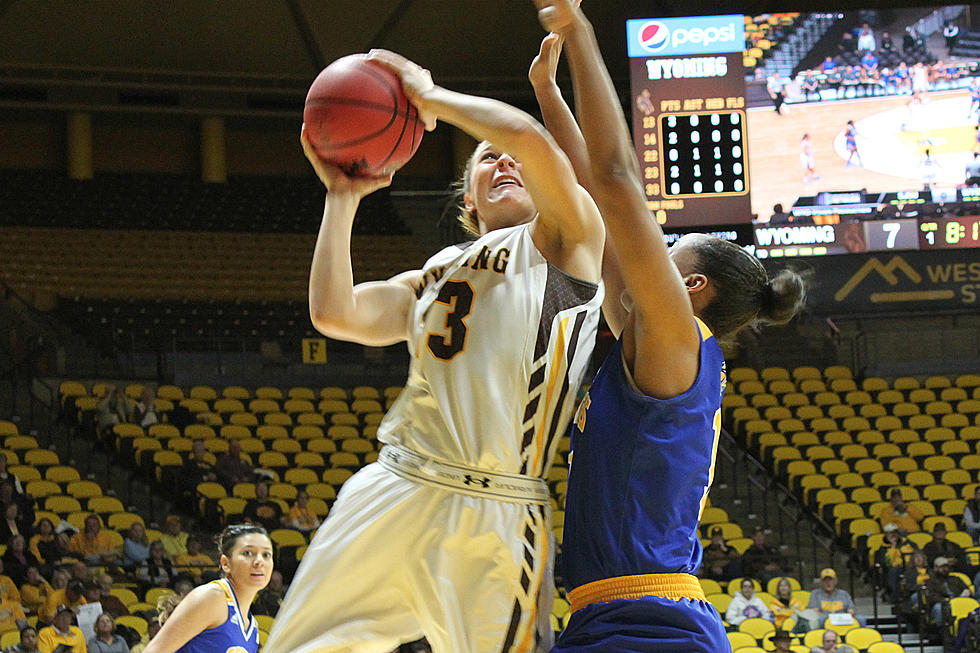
850 136
806 160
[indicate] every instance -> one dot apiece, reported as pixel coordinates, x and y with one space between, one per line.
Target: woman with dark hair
645 437
16 559
216 616
27 644
157 570
42 542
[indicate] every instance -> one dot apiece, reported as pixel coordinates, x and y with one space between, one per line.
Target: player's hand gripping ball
358 118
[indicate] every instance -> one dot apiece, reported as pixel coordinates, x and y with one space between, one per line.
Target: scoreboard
688 85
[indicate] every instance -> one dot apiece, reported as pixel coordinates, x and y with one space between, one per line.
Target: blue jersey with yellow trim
640 472
238 634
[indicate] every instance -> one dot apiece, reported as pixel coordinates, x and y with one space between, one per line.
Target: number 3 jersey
500 340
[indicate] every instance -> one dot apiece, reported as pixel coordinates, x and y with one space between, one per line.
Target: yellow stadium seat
84 489
741 641
842 385
867 466
885 647
299 406
199 432
277 418
302 476
757 627
62 474
105 505
271 432
336 476
39 488
311 419
229 507
287 446
228 405
710 586
285 491
321 445
365 392
121 521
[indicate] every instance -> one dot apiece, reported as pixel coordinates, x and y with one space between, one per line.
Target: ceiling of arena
474 40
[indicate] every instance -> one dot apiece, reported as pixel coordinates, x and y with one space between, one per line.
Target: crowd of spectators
877 64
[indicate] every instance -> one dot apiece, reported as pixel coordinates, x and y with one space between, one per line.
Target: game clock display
950 233
703 153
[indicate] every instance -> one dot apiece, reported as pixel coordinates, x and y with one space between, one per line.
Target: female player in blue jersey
215 617
644 441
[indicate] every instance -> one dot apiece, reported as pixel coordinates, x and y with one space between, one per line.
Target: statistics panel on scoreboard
689 125
703 154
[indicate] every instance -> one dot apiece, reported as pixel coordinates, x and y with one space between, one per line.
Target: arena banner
891 282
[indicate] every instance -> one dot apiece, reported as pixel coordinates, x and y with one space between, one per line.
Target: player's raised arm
560 123
568 230
373 313
665 342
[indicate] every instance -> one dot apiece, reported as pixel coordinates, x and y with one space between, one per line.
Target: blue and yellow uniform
639 479
238 634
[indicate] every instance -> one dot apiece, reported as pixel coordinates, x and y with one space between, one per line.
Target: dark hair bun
783 297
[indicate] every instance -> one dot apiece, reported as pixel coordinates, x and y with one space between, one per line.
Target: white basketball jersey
500 340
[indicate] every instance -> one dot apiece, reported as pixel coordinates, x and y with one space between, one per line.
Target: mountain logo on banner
889 273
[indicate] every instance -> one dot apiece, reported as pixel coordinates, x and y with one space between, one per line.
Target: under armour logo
469 480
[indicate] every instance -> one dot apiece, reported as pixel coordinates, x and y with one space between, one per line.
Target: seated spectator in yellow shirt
72 596
173 539
35 591
8 588
193 562
906 517
61 632
300 516
93 544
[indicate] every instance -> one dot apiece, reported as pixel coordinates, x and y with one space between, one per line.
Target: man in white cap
829 599
941 587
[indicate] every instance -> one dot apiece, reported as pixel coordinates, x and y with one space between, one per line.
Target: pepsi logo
654 36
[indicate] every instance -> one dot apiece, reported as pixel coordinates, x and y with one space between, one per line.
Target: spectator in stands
13 523
909 40
144 411
850 78
27 644
950 32
9 477
781 640
94 545
157 570
151 630
12 615
73 595
746 605
174 539
42 542
34 591
869 62
829 599
779 216
810 86
8 589
774 86
113 409
136 547
897 512
903 77
834 78
110 602
193 562
269 599
886 45
761 560
915 577
720 561
828 65
105 639
300 516
61 632
892 557
16 559
941 587
231 468
183 586
866 39
784 605
847 44
198 468
262 510
940 547
971 513
61 553
830 644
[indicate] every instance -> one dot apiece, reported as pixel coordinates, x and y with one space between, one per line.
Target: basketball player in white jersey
447 535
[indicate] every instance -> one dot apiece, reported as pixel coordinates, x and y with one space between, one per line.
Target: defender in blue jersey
215 617
644 444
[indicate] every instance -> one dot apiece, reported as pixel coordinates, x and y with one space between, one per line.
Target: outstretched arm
568 230
560 123
373 313
661 340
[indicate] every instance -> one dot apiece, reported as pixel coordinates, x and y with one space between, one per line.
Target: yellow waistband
668 586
